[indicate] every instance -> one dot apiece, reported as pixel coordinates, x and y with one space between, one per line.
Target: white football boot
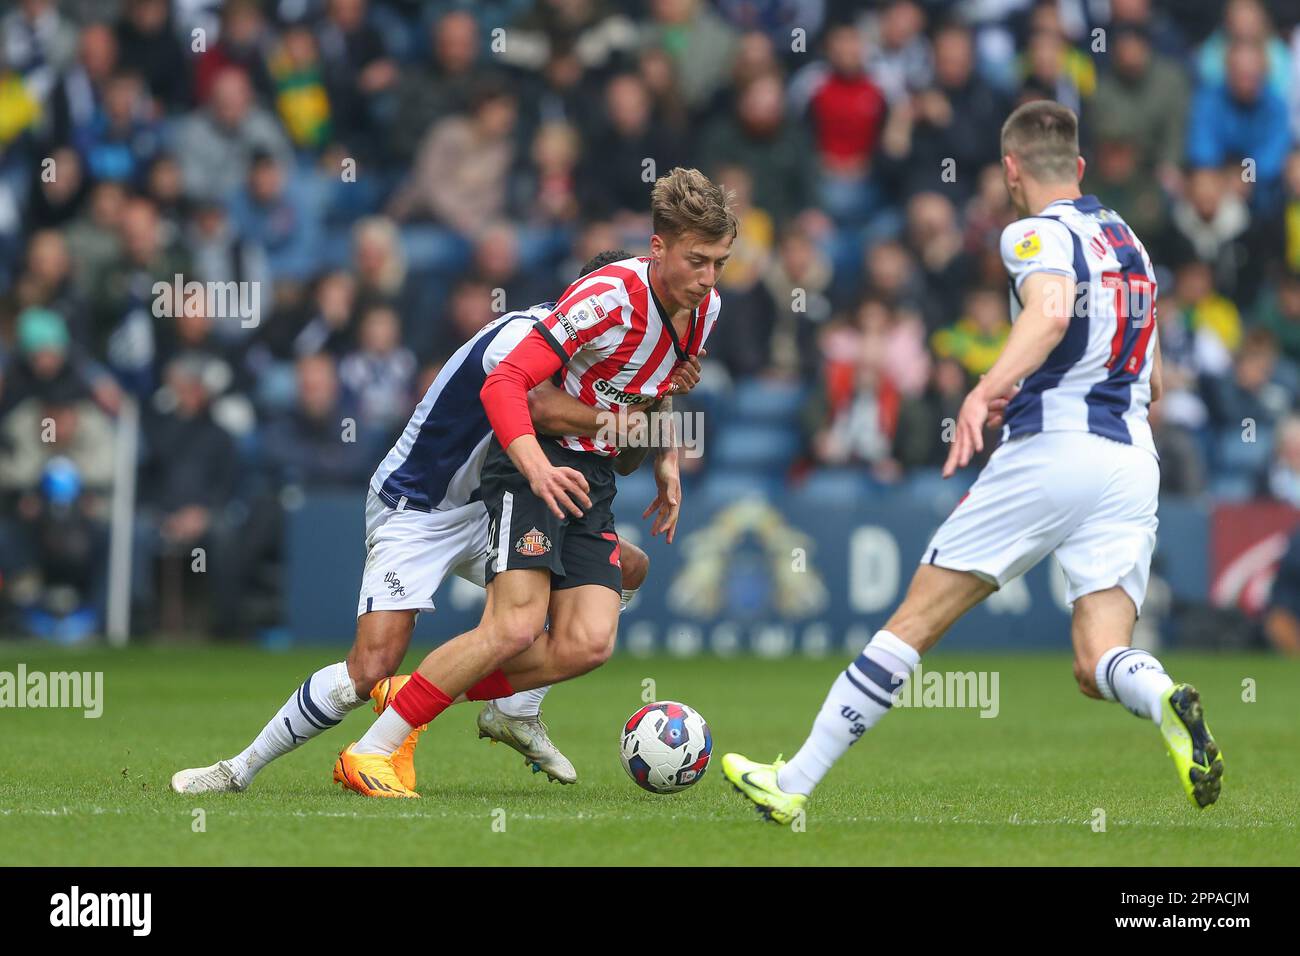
528 736
219 778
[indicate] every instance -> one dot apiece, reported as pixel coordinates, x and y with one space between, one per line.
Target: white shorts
1089 500
409 553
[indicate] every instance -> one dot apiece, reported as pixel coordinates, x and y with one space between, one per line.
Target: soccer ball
666 747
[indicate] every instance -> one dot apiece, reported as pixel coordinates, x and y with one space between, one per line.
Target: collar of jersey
667 323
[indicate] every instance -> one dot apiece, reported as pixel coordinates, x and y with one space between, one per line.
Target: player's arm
667 504
555 412
1047 299
1157 370
505 399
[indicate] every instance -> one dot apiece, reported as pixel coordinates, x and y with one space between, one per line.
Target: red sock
419 701
491 687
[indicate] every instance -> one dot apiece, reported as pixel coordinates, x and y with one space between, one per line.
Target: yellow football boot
403 756
371 775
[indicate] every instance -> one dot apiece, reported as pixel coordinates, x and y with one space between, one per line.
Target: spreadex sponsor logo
616 394
75 908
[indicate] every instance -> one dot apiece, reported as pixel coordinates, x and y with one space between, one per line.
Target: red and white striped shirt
617 349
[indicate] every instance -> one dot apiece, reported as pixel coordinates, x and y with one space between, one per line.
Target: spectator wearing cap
47 366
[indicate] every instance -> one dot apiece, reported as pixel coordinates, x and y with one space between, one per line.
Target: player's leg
863 692
407 554
319 703
513 615
1008 522
528 703
517 720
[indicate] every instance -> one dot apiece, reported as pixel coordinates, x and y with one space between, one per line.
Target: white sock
385 735
324 699
860 696
1135 679
526 703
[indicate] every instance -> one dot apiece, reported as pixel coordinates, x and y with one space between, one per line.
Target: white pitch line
587 815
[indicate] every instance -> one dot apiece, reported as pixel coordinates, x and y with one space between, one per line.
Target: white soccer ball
666 747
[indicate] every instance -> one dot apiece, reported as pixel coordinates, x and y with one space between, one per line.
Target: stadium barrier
765 572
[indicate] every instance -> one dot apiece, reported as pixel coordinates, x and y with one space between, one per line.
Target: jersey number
1140 293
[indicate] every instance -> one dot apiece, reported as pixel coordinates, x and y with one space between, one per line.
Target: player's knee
514 631
590 645
636 565
368 666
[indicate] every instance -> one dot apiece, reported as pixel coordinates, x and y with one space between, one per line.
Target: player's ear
1082 166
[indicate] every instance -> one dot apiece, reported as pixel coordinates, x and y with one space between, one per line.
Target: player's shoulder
1030 238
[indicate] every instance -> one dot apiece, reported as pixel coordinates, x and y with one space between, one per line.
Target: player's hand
563 489
686 375
668 502
998 407
969 439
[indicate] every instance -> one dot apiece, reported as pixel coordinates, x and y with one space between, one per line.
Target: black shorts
523 532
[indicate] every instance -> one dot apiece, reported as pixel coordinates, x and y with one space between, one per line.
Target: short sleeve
504 342
1037 245
591 312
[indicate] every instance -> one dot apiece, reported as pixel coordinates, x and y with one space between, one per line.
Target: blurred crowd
386 176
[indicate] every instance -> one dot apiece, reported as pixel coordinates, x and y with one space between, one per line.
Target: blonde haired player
1076 476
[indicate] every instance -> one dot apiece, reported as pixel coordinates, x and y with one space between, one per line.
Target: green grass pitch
925 787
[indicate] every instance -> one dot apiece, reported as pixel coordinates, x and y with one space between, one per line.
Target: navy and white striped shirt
434 466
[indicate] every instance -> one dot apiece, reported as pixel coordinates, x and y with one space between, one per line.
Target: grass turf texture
924 787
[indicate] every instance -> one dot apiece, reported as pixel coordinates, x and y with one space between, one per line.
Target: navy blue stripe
876 672
305 715
455 425
1024 413
1110 669
370 604
305 694
867 690
1109 399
